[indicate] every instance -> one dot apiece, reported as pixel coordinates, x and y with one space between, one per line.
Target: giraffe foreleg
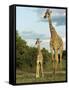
52 55
52 51
56 59
37 69
61 51
42 69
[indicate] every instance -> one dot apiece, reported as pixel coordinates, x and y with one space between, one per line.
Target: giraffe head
47 13
37 43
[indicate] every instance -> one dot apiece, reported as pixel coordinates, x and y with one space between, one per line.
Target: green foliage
46 55
26 56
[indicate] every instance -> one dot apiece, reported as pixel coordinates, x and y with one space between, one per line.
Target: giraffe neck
39 50
52 29
50 22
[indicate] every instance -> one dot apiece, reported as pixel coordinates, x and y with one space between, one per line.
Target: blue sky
31 25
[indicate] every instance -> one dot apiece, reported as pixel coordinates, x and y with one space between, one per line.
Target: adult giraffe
56 43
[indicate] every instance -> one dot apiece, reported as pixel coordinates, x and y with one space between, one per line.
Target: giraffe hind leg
37 70
42 70
61 58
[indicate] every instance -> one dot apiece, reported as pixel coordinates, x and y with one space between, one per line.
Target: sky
30 25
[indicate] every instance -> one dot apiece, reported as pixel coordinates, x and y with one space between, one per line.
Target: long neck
39 50
50 22
52 29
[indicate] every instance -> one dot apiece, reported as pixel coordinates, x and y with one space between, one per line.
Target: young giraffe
56 43
39 66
